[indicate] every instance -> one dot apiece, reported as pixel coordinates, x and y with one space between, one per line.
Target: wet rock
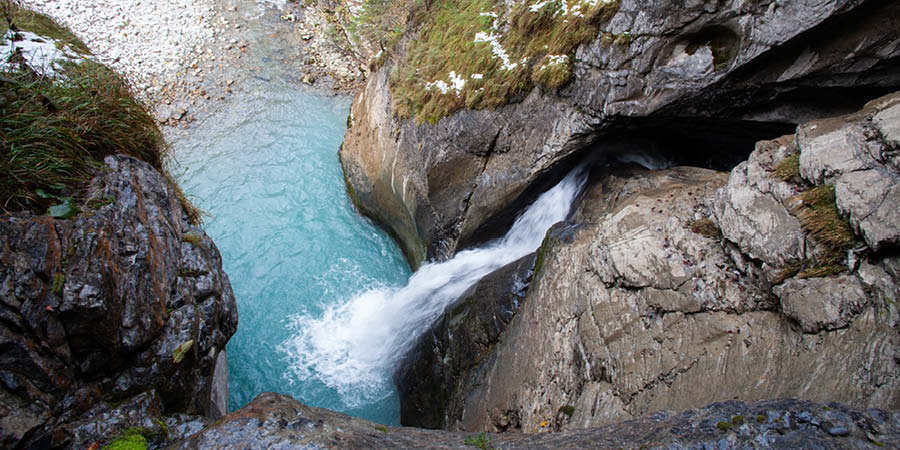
98 304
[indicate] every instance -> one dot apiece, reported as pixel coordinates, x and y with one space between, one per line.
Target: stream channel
265 168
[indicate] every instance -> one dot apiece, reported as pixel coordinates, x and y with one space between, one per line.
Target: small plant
131 439
761 418
479 440
181 351
738 420
723 425
381 428
59 280
568 410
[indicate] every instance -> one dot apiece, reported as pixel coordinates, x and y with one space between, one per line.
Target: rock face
686 286
275 421
96 308
685 67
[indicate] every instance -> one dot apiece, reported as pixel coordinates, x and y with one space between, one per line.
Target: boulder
96 307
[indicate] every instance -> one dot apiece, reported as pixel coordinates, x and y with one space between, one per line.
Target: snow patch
496 48
42 54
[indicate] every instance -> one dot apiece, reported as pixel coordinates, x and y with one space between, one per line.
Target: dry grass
444 42
55 132
788 169
705 227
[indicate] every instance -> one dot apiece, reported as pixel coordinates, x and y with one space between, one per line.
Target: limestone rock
858 155
640 313
822 303
95 306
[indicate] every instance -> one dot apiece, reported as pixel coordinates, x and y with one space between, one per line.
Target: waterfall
353 347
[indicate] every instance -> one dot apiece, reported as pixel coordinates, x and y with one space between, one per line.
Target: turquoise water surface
266 169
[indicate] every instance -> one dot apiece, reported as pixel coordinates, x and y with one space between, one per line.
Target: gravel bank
150 41
185 56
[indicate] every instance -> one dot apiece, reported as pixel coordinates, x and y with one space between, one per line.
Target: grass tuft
789 169
818 215
55 132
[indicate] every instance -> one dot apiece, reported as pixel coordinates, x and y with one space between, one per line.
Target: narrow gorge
532 224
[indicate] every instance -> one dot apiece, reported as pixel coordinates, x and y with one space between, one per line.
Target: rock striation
686 286
115 318
695 68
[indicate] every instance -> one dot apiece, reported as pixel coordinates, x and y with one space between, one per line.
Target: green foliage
24 19
381 428
568 410
761 418
479 440
723 425
446 42
738 420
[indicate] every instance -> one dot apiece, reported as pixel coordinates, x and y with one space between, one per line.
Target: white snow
40 53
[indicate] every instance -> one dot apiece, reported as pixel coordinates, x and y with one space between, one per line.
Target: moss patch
131 439
59 280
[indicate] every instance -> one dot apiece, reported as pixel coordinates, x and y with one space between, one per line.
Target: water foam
354 346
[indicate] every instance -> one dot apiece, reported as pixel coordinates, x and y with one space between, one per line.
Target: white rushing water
354 346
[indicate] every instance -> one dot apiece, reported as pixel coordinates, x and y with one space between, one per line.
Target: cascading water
354 346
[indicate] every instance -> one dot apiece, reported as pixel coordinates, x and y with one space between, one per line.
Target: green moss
381 428
738 420
59 280
190 273
568 410
761 418
130 440
723 425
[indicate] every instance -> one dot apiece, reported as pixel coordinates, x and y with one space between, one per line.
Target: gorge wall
711 68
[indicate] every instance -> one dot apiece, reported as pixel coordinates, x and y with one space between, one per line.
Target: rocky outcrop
674 67
686 286
111 319
275 421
